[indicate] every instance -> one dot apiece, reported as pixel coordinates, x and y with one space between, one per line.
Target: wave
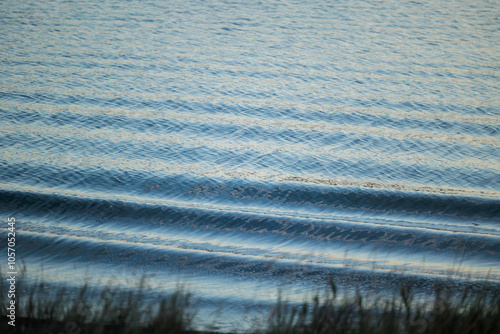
300 217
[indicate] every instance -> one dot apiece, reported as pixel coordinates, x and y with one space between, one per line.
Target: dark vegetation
43 310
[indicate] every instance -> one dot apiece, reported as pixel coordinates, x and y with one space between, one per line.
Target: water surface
243 146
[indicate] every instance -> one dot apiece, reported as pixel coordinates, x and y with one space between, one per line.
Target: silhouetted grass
45 310
444 311
42 309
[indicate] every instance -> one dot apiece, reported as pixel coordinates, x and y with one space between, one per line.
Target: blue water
244 146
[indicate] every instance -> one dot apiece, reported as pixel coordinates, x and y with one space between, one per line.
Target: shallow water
243 146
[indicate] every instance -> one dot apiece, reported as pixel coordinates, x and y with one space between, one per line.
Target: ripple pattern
252 143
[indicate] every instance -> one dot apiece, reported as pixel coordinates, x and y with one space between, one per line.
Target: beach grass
442 311
42 309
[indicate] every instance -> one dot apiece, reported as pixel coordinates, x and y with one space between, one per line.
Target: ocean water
241 146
